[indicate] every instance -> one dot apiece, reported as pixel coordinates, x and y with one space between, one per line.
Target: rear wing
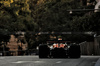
59 41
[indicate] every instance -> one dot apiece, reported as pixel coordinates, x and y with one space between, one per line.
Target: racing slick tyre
44 51
74 51
59 53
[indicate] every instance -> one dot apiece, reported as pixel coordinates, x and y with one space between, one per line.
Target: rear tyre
74 51
44 51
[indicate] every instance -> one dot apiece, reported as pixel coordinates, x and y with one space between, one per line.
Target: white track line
58 61
28 61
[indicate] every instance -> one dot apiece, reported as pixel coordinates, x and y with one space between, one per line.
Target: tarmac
98 62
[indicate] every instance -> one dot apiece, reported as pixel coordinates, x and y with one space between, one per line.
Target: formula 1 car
59 49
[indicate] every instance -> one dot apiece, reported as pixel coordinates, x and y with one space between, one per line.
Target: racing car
59 49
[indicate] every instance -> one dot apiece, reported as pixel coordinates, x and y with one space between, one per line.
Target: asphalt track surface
35 61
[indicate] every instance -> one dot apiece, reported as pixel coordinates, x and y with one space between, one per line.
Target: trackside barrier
19 53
